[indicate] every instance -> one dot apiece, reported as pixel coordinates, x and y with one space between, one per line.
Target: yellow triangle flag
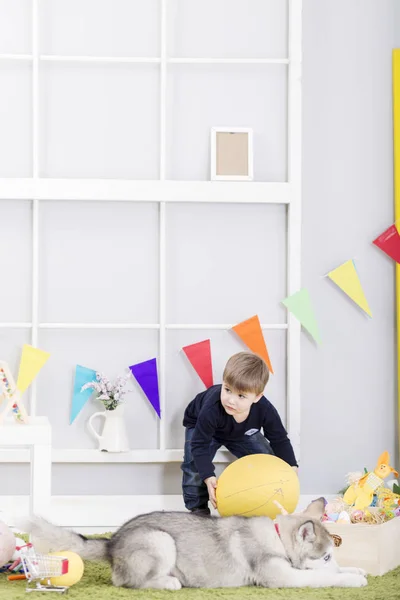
32 361
347 279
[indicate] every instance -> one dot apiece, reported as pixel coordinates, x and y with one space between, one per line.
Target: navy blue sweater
207 415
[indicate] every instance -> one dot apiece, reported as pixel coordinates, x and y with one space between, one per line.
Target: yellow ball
75 569
249 486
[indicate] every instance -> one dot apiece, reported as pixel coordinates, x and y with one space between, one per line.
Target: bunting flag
389 242
347 279
32 361
145 374
251 334
299 304
82 375
199 356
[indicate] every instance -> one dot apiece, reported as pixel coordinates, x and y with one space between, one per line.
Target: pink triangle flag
199 355
145 374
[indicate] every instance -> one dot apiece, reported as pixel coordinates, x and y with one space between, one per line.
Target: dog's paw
354 570
165 582
352 580
172 583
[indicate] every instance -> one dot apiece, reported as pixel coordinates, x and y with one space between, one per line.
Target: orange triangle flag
250 333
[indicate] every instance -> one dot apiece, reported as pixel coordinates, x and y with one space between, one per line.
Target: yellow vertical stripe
396 174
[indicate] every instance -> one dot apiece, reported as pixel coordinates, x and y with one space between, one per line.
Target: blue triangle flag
82 375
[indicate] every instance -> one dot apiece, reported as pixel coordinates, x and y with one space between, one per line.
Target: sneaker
201 511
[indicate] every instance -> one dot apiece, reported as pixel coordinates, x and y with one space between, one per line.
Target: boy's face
237 403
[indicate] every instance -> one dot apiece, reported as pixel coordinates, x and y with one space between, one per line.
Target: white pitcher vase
114 437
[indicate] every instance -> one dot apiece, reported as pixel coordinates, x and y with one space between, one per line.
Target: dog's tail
47 537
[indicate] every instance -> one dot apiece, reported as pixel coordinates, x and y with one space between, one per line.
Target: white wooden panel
149 191
15 26
99 262
205 96
15 120
228 28
15 244
100 121
225 263
162 228
100 27
184 383
96 120
37 431
109 351
294 221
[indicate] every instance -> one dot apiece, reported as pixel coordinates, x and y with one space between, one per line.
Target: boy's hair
246 372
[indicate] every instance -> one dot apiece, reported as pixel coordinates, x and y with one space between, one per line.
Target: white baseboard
96 514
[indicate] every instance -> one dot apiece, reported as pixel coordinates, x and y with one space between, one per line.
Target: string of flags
345 277
145 373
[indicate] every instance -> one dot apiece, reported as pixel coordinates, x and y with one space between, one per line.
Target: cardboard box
375 548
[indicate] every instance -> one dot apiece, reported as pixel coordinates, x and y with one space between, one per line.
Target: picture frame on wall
231 154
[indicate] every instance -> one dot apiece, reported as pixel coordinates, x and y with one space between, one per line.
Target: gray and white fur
170 550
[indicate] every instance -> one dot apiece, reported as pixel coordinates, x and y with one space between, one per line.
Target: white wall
348 384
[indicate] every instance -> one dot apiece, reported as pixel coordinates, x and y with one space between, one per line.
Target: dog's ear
316 509
306 532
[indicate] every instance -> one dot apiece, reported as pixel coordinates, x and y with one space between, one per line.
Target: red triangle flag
199 355
389 242
251 333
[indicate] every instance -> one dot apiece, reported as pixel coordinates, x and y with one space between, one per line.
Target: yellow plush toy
360 494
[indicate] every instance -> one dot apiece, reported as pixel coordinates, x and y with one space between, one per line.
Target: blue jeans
195 492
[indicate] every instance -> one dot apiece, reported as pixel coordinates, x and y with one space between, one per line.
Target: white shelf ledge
194 326
145 59
130 190
88 456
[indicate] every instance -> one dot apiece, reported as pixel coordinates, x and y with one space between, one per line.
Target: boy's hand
211 483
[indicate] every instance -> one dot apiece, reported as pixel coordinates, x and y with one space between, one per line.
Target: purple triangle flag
145 374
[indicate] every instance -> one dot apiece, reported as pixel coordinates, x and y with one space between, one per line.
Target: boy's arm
277 436
201 440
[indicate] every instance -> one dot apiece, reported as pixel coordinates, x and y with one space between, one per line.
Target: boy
230 415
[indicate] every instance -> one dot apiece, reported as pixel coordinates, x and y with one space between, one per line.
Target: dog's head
307 542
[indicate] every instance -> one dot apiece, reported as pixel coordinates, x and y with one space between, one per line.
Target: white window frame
163 191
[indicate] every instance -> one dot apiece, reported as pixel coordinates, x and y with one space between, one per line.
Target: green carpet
96 585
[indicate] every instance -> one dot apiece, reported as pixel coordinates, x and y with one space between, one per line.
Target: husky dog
170 550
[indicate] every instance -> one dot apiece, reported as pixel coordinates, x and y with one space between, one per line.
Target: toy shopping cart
39 568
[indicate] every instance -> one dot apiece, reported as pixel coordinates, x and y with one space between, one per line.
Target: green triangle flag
299 305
